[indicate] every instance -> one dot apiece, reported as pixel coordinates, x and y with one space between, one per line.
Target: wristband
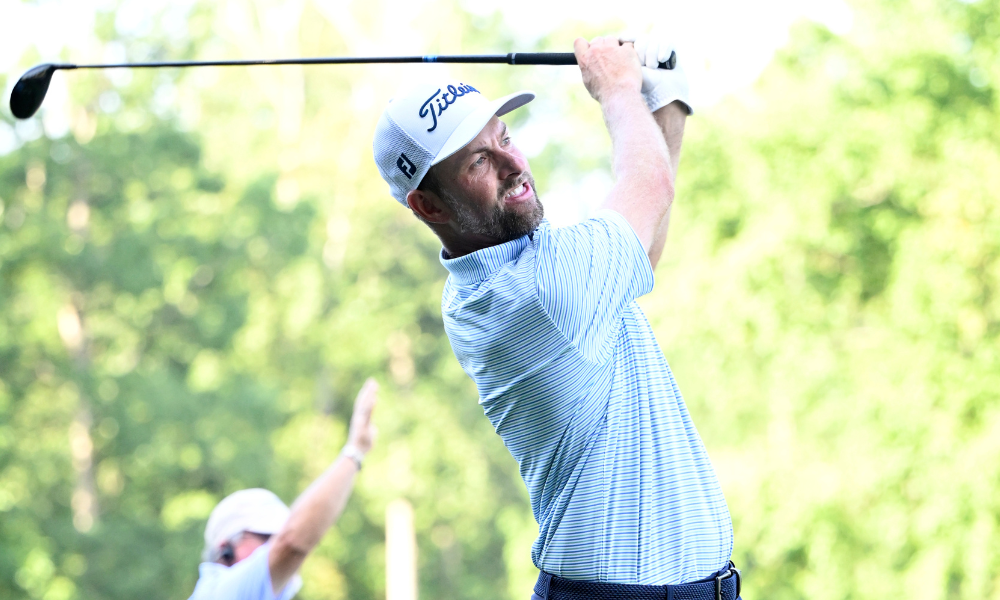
351 451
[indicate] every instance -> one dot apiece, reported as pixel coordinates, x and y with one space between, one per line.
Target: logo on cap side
443 102
406 166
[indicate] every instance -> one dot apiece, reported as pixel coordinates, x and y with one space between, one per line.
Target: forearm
318 507
671 120
313 513
641 164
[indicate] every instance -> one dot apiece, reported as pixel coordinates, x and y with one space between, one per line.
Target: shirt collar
481 264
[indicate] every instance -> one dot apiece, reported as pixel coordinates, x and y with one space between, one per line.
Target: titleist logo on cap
444 100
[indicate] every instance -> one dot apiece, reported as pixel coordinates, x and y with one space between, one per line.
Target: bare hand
608 66
362 433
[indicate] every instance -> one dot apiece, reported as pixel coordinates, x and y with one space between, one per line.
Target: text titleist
439 102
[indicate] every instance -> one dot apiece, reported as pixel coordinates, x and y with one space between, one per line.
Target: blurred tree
831 307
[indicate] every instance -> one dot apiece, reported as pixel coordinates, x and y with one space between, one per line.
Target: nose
511 163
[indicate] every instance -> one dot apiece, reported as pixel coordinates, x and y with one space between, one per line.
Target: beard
501 222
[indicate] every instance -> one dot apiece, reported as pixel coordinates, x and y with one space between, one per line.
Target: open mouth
519 194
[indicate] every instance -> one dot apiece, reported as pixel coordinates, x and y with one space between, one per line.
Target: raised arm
643 189
666 94
319 506
671 119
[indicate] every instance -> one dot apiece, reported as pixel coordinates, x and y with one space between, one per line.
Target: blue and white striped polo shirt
572 379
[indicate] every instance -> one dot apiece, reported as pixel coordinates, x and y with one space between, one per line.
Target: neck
457 244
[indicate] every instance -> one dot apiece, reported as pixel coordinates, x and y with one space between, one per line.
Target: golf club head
29 91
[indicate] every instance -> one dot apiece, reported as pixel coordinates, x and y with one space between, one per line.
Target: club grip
564 58
541 58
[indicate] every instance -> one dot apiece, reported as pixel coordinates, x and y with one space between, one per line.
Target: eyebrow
503 133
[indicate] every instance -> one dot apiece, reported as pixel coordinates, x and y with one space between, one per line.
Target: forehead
492 129
489 133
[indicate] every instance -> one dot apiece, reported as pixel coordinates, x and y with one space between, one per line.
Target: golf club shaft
29 91
513 58
554 58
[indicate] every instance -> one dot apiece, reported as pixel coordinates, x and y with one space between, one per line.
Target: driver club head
29 91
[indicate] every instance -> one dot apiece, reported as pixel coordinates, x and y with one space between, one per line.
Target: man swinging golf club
545 321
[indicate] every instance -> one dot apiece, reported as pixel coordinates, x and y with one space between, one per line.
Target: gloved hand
660 87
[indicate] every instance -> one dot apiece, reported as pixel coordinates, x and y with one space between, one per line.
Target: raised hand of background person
320 505
362 431
608 67
660 87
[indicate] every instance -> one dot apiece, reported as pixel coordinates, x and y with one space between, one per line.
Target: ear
428 206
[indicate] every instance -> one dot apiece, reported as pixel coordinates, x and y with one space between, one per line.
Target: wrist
351 452
668 98
673 114
619 94
618 106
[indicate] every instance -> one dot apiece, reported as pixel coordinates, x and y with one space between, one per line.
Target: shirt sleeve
587 276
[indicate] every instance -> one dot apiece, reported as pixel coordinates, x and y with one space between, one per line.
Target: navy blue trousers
724 585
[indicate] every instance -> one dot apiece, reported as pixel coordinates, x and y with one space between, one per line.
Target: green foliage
186 315
829 307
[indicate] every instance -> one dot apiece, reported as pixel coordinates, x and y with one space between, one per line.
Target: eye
506 140
479 161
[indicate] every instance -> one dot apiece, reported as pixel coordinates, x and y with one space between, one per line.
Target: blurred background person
254 544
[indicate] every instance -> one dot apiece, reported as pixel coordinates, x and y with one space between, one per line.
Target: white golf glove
660 87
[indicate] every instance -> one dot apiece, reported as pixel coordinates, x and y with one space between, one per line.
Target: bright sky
726 43
723 44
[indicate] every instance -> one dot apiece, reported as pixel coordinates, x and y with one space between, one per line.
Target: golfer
254 545
545 321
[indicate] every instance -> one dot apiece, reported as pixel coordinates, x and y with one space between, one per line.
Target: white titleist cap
255 510
430 123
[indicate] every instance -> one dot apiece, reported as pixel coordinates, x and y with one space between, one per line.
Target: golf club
29 91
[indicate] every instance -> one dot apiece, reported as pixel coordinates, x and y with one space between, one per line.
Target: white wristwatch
351 451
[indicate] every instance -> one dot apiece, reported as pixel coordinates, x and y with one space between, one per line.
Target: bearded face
480 196
501 220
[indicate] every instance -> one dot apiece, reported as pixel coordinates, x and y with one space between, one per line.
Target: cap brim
477 119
